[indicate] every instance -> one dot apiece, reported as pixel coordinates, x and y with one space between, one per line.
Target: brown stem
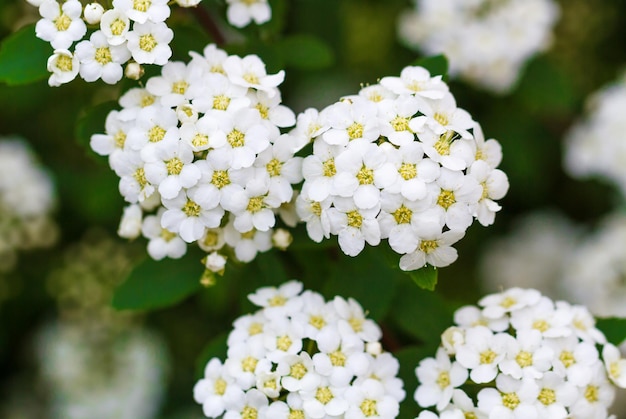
206 21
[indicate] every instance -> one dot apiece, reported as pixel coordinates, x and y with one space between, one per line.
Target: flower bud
282 239
188 3
133 71
130 225
216 263
93 13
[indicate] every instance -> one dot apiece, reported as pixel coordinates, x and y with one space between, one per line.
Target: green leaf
613 328
436 64
425 277
365 278
305 52
92 122
155 284
421 314
23 57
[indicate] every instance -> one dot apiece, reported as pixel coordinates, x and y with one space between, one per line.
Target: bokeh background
62 292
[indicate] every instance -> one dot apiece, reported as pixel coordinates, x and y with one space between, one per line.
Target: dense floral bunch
595 145
399 161
199 150
486 41
521 355
302 357
131 31
27 199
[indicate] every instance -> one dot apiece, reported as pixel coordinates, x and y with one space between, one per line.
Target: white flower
162 242
171 168
217 391
495 185
142 11
434 249
98 59
353 225
93 13
527 356
246 137
240 13
61 24
481 352
369 400
246 245
176 83
149 42
249 71
130 224
64 67
191 212
438 377
115 24
513 399
615 364
351 120
416 81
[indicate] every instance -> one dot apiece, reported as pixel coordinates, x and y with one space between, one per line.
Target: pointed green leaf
425 277
613 328
154 284
437 65
23 57
305 52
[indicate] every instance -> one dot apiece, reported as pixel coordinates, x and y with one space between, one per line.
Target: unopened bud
186 113
133 70
130 224
93 13
374 348
188 3
282 239
215 263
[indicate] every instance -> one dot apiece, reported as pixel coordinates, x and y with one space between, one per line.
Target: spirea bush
201 158
398 161
300 356
521 355
487 42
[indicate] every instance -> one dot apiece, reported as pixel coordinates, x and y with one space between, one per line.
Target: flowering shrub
300 356
399 161
131 32
486 41
521 355
200 154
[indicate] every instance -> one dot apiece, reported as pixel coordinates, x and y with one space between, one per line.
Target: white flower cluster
93 378
302 357
241 13
200 150
399 161
521 355
129 29
595 146
27 199
486 41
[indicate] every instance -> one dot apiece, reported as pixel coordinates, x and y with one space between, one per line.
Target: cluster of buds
201 158
399 161
300 356
521 355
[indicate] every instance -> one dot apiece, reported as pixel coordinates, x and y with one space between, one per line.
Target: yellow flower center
263 110
442 146
156 134
408 171
251 78
365 176
255 328
140 177
283 343
174 166
249 412
446 199
356 324
355 219
317 322
236 138
64 63
220 179
355 131
255 204
591 394
524 359
547 396
443 380
324 395
337 358
62 23
296 414
180 87
428 246
221 102
120 139
487 357
329 168
248 364
117 27
510 400
403 215
368 407
191 209
167 235
147 100
273 167
441 118
219 387
147 42
508 302
298 371
541 325
567 358
141 5
103 55
400 123
277 301
199 140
